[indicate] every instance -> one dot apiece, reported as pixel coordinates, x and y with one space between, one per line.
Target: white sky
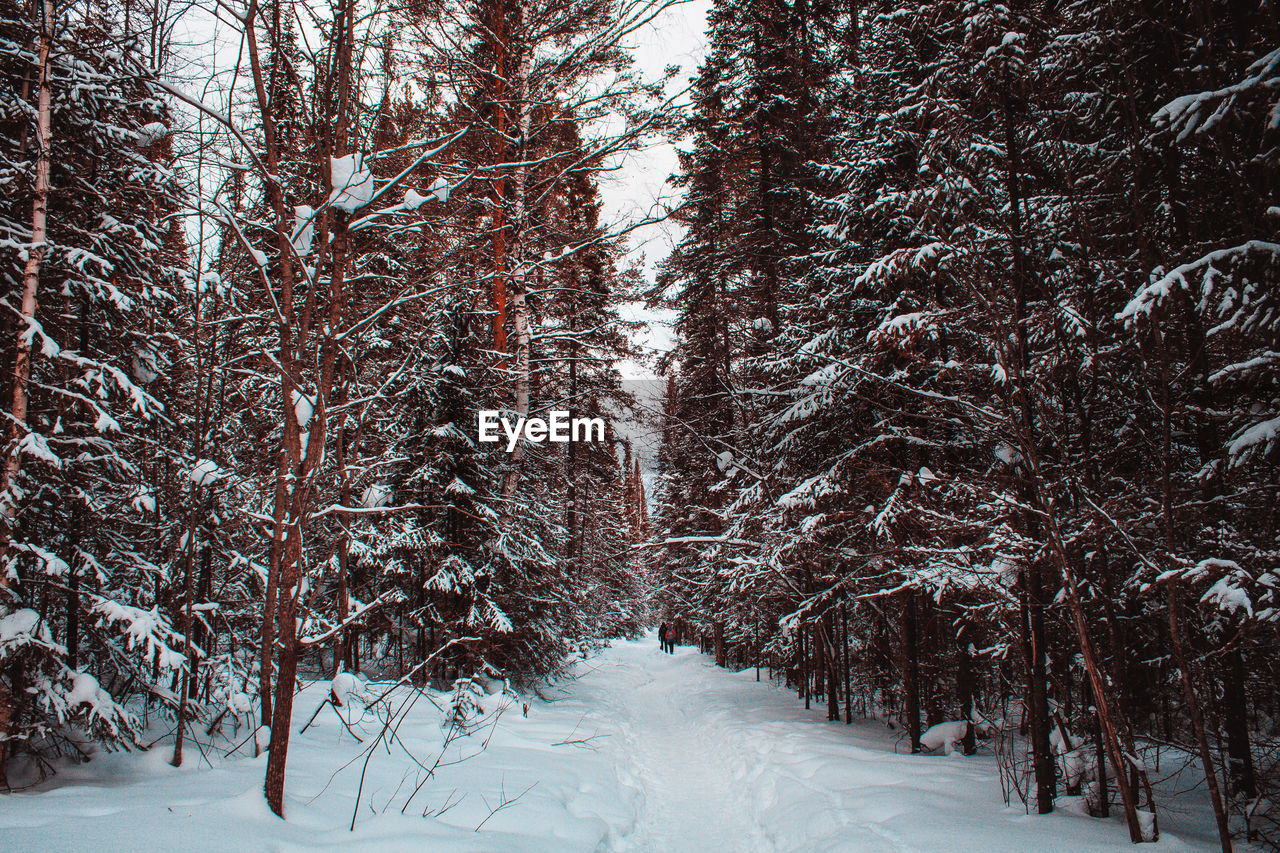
639 188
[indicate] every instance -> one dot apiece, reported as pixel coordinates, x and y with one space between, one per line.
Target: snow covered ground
642 752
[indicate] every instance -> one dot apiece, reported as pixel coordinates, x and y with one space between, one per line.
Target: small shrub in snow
944 736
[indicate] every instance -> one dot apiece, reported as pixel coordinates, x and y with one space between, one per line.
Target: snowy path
722 763
642 752
688 768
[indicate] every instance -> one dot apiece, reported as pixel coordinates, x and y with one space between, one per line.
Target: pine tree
83 207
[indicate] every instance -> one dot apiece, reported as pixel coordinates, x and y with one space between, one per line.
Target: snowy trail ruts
711 762
679 751
641 753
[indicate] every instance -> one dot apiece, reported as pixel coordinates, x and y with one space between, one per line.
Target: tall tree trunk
288 381
1038 684
206 638
933 702
964 686
911 651
189 665
22 347
1033 581
1175 604
72 640
1235 713
1100 757
571 510
757 649
519 290
344 548
520 325
303 460
500 100
282 713
819 658
833 689
844 652
267 630
802 668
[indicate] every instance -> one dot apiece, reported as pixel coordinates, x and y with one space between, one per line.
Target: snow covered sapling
944 737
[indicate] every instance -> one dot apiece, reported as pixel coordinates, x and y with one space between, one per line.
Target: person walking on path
667 636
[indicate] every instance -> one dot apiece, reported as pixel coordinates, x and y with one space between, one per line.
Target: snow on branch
1190 114
143 627
1254 440
1153 295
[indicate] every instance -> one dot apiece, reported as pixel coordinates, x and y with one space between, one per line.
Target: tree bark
267 632
1235 713
22 347
844 650
189 666
833 659
519 290
911 652
1038 683
344 556
964 687
819 659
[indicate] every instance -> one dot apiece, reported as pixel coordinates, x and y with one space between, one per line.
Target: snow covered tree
85 199
959 420
757 118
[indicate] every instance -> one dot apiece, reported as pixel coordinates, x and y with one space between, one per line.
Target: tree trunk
1037 668
519 294
819 659
844 649
1235 713
206 639
833 681
344 554
520 324
802 680
301 459
1197 715
1100 758
1038 684
571 511
911 651
289 438
73 614
282 713
189 667
22 345
964 687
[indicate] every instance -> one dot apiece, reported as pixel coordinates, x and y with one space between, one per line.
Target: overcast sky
639 188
